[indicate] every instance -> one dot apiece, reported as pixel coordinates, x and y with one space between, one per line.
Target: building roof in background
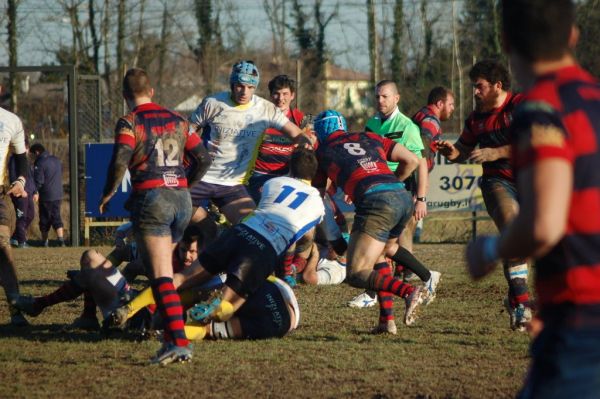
334 72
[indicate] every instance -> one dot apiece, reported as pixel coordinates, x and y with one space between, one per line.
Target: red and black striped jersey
490 130
158 138
276 149
431 131
355 162
560 118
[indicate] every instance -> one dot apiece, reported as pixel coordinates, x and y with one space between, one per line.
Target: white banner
454 187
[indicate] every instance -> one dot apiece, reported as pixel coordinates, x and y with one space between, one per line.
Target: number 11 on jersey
285 193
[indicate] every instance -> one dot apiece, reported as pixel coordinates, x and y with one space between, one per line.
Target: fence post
474 224
73 155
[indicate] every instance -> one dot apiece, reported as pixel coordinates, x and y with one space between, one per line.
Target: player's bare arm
454 152
407 161
300 136
423 185
488 154
118 166
545 191
17 187
203 161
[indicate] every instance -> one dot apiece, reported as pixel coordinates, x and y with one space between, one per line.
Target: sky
43 25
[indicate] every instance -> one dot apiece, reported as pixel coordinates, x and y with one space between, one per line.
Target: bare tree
275 10
140 35
459 67
162 50
12 52
209 46
313 54
94 33
428 22
398 58
322 21
120 37
105 30
373 53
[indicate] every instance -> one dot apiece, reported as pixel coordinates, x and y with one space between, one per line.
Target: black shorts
50 215
246 256
265 314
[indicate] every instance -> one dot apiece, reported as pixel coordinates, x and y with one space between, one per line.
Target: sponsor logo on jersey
368 165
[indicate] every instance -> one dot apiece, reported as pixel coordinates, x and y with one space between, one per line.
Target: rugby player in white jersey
11 135
232 124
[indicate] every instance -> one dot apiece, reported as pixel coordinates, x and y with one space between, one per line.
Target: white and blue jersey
232 134
287 210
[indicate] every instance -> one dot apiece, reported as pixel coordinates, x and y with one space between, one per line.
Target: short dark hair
192 233
492 71
136 83
37 148
439 93
303 164
386 82
538 29
282 82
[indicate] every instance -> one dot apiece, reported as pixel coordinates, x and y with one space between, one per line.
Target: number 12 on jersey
286 191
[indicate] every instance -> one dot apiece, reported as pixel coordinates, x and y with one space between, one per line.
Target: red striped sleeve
578 285
192 141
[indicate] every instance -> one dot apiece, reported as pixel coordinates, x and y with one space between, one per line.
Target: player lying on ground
102 284
249 252
272 311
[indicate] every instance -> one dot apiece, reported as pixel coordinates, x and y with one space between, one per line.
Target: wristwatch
422 199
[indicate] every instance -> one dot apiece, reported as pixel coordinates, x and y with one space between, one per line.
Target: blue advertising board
97 159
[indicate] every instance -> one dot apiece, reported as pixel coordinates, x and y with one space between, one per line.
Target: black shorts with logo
246 256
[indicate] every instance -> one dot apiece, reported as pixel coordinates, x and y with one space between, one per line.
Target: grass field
460 347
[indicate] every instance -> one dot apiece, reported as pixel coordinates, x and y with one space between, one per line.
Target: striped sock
89 306
286 269
389 283
169 307
66 292
398 268
518 290
385 299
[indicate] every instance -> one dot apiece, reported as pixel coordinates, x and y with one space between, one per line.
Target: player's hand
103 207
17 189
481 155
534 327
36 197
482 256
310 139
347 199
420 210
447 149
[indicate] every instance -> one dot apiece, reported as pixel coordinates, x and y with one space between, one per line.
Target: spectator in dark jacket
47 173
24 206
